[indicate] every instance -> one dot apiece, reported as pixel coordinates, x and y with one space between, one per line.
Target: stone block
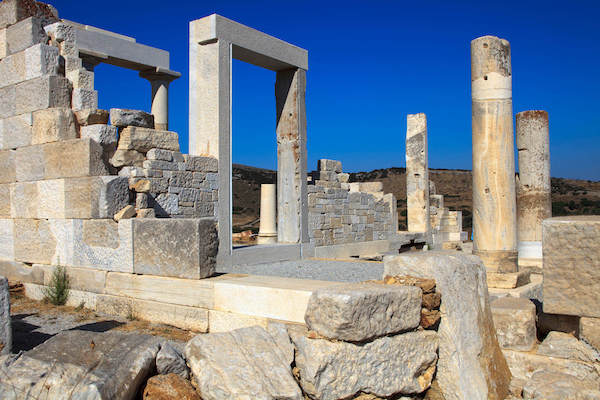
82 79
19 272
565 345
124 118
123 158
84 99
7 166
33 62
471 364
13 11
5 203
41 93
546 385
5 321
158 154
221 321
514 319
3 43
102 244
183 248
60 32
26 200
507 280
16 131
405 364
91 117
80 364
189 318
186 292
8 98
329 165
223 368
571 248
24 34
73 158
361 311
102 134
82 279
589 331
53 125
35 241
201 164
76 297
144 139
7 247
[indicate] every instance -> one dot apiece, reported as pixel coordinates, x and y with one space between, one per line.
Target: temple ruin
145 231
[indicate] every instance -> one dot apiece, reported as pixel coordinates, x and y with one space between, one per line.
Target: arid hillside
569 196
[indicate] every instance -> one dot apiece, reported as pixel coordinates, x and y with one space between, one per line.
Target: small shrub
57 291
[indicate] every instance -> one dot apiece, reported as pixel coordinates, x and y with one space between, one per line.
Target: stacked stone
446 225
165 182
356 326
342 212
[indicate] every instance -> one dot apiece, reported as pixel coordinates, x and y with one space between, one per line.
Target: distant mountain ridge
569 196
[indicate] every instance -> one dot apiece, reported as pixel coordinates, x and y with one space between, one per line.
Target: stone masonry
340 212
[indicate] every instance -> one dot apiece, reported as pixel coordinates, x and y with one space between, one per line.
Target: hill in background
569 196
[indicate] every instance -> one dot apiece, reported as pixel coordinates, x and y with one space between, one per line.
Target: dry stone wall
340 212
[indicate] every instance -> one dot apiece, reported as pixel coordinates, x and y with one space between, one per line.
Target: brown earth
569 196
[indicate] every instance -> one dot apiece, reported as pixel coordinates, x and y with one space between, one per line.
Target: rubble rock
81 365
545 385
5 323
123 118
471 364
514 319
400 364
127 212
170 361
362 311
245 363
169 387
564 345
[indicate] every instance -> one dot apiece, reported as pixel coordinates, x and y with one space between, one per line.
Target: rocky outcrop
362 311
471 365
248 363
387 366
81 365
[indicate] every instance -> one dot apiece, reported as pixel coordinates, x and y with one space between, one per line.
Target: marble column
533 185
494 197
267 232
292 215
417 174
159 82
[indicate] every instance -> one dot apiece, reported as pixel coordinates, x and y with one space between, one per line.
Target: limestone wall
340 212
73 177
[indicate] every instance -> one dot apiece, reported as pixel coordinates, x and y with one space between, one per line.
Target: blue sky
370 64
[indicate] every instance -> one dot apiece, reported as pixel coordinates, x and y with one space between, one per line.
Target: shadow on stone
100 326
24 335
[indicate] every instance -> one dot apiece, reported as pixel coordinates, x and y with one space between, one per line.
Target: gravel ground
319 269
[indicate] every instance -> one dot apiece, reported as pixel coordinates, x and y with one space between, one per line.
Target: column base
266 239
498 260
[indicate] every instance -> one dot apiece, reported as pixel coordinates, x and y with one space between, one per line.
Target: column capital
160 74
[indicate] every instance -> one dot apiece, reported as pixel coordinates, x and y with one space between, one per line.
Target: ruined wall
78 185
340 212
446 225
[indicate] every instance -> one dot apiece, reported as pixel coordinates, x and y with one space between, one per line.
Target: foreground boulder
247 363
471 365
81 365
546 385
362 311
5 325
384 367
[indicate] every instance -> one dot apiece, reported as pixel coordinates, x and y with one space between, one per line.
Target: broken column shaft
417 173
494 199
159 82
533 186
267 232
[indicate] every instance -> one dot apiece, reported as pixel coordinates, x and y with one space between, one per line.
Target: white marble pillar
267 232
494 198
159 82
534 202
417 174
